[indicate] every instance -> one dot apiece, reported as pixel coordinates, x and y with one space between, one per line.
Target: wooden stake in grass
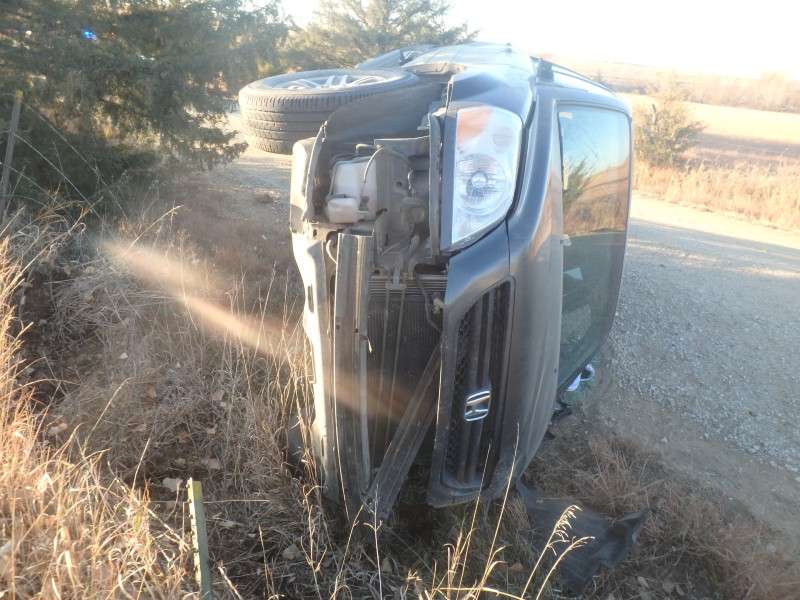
200 539
12 137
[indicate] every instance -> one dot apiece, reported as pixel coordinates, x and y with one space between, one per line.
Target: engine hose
328 251
428 304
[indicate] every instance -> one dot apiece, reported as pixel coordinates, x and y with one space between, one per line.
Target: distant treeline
771 91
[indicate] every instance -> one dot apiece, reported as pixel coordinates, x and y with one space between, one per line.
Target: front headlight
484 169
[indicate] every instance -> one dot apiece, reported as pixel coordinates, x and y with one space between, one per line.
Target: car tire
278 111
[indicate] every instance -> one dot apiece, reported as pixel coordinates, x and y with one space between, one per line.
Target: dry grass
67 530
169 397
183 374
766 194
173 369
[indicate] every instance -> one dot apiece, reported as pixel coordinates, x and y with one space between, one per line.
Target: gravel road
703 360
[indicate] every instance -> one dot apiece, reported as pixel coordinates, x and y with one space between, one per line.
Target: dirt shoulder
239 215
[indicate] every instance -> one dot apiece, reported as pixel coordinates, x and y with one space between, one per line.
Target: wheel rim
335 82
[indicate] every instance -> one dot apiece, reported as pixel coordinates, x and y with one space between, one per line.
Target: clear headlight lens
485 173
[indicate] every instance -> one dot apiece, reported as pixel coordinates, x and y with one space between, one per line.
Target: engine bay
364 222
375 186
383 190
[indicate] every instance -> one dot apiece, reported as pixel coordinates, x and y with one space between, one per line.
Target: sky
724 37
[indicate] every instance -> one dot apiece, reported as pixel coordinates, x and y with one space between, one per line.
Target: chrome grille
478 374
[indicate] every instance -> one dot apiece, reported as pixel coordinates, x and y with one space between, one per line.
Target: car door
595 145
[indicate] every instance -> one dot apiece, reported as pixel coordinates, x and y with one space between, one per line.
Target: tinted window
595 146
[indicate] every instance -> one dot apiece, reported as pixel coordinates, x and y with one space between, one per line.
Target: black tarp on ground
613 539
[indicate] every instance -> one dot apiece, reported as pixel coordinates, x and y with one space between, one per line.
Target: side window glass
595 146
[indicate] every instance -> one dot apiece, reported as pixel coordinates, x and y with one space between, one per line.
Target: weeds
66 529
766 194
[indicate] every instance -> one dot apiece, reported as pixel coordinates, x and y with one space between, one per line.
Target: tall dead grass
769 194
66 529
181 375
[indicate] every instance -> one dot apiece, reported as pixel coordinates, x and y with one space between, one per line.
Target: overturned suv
459 224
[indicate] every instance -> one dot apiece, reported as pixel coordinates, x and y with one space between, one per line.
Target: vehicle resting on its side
459 223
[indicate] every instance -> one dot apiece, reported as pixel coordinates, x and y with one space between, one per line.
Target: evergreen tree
346 32
112 75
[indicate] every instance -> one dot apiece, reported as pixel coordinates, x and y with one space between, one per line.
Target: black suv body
461 242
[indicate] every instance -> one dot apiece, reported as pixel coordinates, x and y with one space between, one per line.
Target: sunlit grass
767 194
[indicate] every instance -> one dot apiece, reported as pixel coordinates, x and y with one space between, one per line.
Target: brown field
745 162
765 194
734 134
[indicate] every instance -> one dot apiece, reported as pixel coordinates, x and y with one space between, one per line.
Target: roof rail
546 68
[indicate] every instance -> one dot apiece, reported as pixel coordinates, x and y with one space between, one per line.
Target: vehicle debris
609 540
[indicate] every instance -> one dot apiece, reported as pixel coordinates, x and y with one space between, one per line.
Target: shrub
665 131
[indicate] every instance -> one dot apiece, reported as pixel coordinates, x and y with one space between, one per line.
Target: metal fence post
12 137
200 539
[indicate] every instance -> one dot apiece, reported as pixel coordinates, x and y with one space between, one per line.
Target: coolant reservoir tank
344 209
356 179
